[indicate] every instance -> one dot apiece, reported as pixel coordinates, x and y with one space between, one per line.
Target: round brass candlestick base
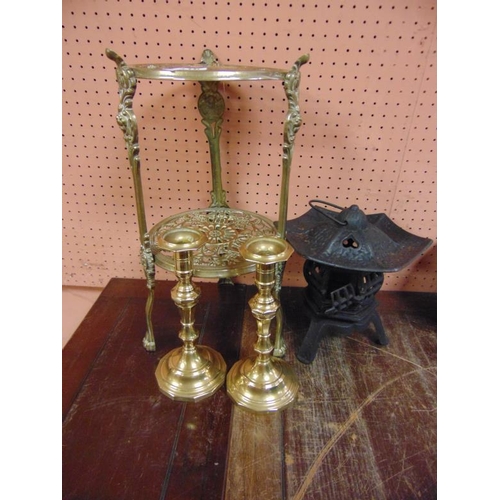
191 375
258 387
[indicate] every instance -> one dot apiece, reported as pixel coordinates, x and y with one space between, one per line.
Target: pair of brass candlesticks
260 383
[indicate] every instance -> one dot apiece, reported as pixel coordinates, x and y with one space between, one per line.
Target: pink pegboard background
368 102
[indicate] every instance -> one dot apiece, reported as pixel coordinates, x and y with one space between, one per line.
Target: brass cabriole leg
191 372
127 121
279 343
292 125
147 261
263 383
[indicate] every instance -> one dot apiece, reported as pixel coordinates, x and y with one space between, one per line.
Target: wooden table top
363 427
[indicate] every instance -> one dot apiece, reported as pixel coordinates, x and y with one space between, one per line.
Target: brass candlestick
191 372
263 383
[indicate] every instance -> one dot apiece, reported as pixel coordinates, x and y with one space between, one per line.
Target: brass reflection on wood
263 383
191 372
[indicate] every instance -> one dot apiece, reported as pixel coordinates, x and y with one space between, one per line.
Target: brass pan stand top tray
204 73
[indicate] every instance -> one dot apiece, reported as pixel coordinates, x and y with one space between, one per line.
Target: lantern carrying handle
327 213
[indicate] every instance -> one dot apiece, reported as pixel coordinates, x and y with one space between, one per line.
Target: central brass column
190 372
263 383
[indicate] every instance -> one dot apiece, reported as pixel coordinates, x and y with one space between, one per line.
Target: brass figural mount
206 243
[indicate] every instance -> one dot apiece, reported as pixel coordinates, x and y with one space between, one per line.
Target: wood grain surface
365 422
364 425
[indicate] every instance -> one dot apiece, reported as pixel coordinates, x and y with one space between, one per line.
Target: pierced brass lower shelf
226 230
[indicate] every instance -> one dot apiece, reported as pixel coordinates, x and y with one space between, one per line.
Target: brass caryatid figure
211 107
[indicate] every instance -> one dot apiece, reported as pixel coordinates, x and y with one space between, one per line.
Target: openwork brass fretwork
191 372
226 230
263 383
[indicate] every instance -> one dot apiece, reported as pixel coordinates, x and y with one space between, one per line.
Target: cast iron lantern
347 253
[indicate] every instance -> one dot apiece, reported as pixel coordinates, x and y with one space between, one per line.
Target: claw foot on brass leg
149 345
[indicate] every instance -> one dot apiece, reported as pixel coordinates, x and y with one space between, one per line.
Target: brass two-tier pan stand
209 240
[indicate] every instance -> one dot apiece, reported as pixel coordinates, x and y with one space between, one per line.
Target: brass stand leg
263 383
292 125
211 106
147 261
127 121
279 343
148 341
191 372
